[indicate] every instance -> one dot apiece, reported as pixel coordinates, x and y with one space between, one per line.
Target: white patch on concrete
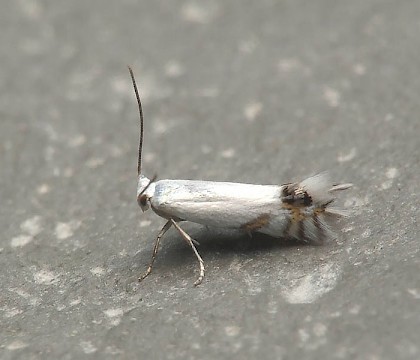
113 350
95 162
335 314
174 69
88 347
16 345
359 69
161 127
347 156
43 189
65 230
45 277
61 307
149 158
355 309
123 253
32 301
9 313
232 330
312 286
331 96
247 46
366 234
387 184
228 153
197 12
98 271
21 240
77 141
32 9
114 312
21 292
32 226
312 339
145 223
153 89
75 302
121 86
68 172
415 293
236 265
252 110
391 173
272 307
288 65
303 335
114 315
389 117
320 329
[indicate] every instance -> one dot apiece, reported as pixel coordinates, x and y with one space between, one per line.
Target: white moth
297 210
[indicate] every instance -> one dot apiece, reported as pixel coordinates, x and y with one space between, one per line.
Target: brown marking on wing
298 216
295 212
257 223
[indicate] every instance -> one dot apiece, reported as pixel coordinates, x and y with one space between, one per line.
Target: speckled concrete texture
262 92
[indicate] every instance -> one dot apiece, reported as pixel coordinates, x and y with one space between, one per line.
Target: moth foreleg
191 242
162 232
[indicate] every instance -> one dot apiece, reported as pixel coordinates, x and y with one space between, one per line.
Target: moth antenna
141 120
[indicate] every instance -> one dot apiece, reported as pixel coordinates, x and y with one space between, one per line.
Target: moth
300 210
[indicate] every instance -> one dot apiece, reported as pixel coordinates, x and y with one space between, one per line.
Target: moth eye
142 200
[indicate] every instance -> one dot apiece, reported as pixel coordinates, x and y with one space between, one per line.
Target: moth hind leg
191 242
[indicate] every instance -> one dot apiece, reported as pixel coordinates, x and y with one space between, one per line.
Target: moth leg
162 232
191 242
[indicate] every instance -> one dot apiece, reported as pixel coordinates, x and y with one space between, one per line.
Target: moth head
145 191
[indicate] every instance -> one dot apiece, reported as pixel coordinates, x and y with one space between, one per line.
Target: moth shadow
222 244
234 242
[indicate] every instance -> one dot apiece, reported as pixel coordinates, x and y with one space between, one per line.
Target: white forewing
220 204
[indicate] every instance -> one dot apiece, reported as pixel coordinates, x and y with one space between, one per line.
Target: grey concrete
247 91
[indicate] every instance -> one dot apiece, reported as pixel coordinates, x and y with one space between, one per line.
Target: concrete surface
263 92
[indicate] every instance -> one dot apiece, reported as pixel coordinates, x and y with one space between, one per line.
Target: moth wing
219 204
